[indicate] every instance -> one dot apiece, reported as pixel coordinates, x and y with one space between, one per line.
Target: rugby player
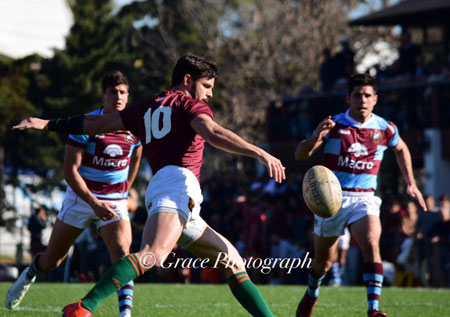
173 128
99 170
354 144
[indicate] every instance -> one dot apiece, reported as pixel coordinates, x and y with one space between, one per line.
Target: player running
99 170
173 128
354 144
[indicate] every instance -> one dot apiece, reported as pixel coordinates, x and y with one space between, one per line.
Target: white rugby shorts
176 189
355 205
77 213
344 240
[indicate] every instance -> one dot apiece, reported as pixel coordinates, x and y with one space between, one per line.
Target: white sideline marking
40 310
181 305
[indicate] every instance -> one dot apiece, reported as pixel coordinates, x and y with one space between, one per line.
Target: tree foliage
264 49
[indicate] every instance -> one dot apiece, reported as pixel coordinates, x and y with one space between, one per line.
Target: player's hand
32 123
414 192
324 127
104 210
274 166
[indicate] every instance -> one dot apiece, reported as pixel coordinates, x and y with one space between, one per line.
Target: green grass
46 299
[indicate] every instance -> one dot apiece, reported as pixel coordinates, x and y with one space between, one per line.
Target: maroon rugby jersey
164 128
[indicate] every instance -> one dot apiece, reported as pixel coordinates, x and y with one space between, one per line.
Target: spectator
391 237
326 71
408 53
440 234
344 60
406 273
425 224
36 224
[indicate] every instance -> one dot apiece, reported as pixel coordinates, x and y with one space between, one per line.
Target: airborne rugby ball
322 191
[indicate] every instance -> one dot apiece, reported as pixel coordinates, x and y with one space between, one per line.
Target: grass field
45 299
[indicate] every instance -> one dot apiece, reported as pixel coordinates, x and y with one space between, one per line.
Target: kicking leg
160 235
224 255
62 238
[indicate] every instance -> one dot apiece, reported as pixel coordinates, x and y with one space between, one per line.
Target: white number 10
151 122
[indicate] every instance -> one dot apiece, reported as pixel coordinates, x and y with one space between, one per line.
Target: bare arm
134 165
93 124
226 140
403 158
72 162
306 148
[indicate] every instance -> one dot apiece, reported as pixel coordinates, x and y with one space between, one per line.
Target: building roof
408 13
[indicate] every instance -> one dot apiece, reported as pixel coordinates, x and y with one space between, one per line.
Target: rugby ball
322 191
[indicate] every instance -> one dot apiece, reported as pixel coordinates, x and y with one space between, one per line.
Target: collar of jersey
356 123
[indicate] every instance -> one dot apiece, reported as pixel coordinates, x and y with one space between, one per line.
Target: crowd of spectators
413 93
410 67
335 69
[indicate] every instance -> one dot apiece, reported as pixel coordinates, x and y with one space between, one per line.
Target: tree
14 105
264 48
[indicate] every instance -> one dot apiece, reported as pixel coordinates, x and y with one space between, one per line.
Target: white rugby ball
322 191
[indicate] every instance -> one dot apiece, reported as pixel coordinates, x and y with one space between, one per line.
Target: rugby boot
306 306
76 310
17 292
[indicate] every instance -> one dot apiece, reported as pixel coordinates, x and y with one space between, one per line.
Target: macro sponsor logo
359 165
109 163
347 132
113 150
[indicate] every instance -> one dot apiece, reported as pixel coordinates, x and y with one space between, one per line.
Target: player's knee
370 245
321 267
229 263
122 251
152 258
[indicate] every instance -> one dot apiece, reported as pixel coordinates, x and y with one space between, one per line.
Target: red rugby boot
76 310
376 313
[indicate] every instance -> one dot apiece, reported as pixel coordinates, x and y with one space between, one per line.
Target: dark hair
113 79
196 66
359 80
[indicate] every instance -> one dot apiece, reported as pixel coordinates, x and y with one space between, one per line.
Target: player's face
115 98
202 89
362 100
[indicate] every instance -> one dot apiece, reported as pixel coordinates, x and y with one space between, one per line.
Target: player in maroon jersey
354 142
173 128
99 170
